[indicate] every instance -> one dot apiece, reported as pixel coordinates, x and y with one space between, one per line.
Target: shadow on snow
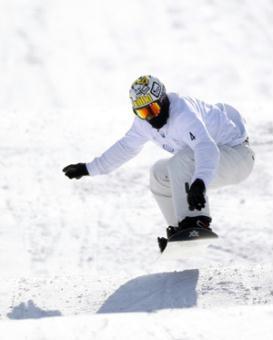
30 311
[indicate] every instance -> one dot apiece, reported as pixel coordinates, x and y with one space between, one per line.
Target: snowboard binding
190 228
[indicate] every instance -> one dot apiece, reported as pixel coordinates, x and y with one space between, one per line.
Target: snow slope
222 323
212 303
88 247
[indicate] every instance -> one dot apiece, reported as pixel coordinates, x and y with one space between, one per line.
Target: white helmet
146 90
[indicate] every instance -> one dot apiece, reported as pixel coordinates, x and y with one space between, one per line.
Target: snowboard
189 242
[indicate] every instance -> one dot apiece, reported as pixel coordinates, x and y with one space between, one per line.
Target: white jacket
192 123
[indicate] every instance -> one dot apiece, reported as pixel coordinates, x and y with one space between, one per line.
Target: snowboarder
209 146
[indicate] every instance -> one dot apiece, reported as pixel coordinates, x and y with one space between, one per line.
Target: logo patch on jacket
192 136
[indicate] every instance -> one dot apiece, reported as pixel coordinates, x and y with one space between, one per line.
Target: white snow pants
168 178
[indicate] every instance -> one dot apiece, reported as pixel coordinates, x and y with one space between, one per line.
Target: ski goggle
148 112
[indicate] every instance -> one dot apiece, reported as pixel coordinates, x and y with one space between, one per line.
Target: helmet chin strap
159 121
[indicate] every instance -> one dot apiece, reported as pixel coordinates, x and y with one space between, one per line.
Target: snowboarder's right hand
76 170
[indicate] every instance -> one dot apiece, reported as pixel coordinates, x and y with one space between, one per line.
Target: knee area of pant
182 159
158 168
159 173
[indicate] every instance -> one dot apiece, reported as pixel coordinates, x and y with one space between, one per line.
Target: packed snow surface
81 256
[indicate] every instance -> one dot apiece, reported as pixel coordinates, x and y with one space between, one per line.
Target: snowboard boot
171 231
196 221
162 241
187 222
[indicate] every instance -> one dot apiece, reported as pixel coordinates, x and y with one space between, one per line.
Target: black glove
76 170
196 194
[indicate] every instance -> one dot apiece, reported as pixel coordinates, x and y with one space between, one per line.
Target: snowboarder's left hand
196 194
76 170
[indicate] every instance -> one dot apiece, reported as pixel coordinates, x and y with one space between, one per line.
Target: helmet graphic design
146 90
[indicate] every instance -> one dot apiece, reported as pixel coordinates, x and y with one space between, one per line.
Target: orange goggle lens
148 112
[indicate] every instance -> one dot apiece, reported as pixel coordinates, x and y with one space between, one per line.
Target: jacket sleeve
119 153
206 152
